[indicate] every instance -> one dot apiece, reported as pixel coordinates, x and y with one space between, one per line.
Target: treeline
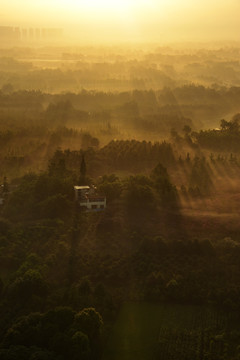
223 139
117 69
34 125
160 109
196 172
30 148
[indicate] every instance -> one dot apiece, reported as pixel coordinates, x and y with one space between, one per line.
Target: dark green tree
83 171
166 190
83 167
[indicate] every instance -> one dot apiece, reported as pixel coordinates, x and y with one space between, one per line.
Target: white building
88 198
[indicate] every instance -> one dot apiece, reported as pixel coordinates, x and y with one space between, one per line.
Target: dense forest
165 152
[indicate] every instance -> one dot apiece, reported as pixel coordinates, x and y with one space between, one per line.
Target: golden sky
130 20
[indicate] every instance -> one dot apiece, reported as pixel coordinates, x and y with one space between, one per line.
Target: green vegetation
161 331
54 255
57 334
156 275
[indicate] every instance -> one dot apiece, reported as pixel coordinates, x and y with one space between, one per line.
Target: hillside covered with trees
165 153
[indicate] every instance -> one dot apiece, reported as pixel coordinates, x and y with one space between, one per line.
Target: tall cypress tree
83 168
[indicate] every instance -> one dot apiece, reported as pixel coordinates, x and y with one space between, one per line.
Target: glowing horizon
130 19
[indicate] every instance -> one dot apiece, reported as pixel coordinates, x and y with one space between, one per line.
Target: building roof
81 187
96 197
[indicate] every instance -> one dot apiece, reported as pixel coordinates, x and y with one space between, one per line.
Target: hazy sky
127 20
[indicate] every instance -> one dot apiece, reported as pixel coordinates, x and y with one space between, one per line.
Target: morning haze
113 21
119 180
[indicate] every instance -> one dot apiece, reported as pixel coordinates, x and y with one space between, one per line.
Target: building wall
94 205
79 193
